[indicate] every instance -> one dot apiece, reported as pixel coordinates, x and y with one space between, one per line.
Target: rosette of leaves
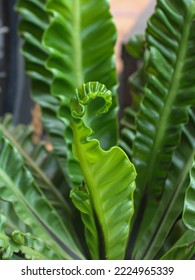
77 42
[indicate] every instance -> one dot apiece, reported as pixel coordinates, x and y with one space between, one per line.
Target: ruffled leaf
109 175
154 231
168 95
34 21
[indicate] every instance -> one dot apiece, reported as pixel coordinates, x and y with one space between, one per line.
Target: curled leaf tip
88 92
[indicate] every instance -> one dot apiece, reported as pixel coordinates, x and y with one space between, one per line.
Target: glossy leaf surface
168 95
34 21
109 175
153 233
82 51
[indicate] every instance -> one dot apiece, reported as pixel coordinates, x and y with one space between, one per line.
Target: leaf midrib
146 243
166 111
89 179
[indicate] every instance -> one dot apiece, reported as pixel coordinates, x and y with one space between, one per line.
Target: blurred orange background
126 14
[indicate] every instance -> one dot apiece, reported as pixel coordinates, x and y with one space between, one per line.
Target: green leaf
184 248
30 204
154 231
4 239
175 234
109 175
41 163
81 40
13 222
43 166
30 246
33 248
34 21
189 203
168 96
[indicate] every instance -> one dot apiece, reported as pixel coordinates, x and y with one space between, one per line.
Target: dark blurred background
14 84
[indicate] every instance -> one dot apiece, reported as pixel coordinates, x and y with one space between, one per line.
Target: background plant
80 197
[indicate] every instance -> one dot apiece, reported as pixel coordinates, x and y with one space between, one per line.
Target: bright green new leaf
109 175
